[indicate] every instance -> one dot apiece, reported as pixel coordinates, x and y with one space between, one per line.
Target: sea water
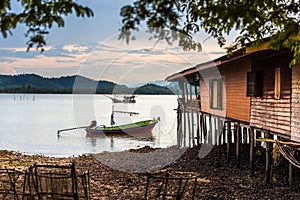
29 123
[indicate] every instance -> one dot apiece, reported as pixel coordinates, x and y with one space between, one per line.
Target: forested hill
32 83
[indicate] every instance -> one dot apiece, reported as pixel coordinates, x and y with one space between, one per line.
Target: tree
38 16
256 20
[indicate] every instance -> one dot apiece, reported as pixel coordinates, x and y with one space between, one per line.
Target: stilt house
257 89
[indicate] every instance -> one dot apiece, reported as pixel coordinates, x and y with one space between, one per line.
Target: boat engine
93 124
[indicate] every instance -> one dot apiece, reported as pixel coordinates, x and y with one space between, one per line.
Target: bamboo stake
69 129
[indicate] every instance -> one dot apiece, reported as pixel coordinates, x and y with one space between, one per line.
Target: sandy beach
217 178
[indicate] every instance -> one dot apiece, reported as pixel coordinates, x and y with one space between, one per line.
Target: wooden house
242 98
258 89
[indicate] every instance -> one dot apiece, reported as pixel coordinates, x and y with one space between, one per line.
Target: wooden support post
269 147
198 130
184 128
193 129
252 142
189 127
216 138
179 124
210 132
292 172
245 135
258 143
182 115
238 144
228 140
221 132
224 132
192 136
204 129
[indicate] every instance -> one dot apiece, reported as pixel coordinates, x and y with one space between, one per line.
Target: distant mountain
32 83
152 89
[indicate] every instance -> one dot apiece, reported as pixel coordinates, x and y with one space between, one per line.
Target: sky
90 47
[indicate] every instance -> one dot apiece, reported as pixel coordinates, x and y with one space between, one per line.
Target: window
215 93
277 85
254 84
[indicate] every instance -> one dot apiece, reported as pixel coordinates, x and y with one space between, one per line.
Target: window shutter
254 84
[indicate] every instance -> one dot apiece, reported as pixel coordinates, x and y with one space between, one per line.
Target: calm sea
29 123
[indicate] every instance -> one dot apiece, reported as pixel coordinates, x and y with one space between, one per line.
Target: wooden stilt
224 132
198 129
258 143
179 124
238 144
292 172
193 129
216 133
228 140
210 129
189 128
221 132
184 128
252 142
245 135
269 148
204 129
192 136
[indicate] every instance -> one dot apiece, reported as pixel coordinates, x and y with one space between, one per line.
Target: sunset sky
90 47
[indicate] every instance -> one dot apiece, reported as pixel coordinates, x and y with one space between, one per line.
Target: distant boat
141 128
124 99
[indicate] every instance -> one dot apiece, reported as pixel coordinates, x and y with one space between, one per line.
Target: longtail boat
132 129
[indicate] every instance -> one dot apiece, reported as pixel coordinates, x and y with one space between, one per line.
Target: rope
282 148
276 155
288 154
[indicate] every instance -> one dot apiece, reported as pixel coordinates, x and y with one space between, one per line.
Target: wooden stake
204 129
292 172
192 116
184 127
228 140
269 147
210 130
238 145
252 142
221 131
198 129
179 124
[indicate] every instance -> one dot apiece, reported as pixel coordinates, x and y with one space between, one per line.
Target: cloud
140 60
7 69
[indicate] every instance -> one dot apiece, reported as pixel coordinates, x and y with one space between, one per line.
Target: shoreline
218 179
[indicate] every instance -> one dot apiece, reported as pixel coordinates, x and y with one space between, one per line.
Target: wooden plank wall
295 119
267 112
205 77
238 104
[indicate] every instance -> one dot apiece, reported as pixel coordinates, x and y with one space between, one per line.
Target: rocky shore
122 175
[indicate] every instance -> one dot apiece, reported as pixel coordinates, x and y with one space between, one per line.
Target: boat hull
129 129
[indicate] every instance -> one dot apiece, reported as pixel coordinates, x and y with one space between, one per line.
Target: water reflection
99 139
